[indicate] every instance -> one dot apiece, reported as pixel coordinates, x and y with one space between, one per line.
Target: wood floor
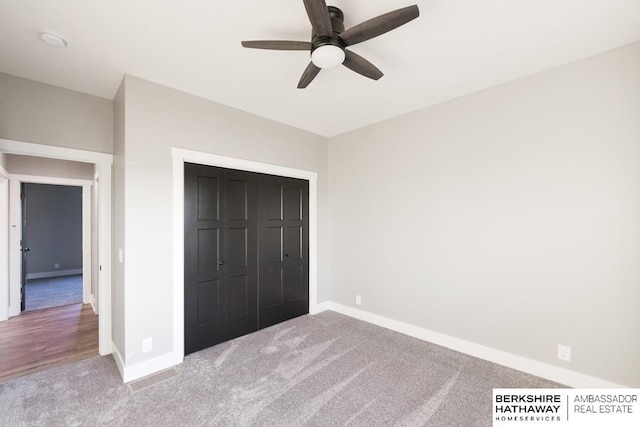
42 339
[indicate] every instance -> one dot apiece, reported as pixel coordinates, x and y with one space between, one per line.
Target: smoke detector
53 39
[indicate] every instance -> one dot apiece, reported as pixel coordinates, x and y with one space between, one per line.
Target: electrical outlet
358 300
56 265
147 345
564 353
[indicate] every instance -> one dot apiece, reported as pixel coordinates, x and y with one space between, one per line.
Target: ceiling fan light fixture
327 56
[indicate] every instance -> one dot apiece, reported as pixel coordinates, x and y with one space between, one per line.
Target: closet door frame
182 156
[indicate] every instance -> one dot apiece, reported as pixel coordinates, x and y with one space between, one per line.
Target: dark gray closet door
284 249
220 255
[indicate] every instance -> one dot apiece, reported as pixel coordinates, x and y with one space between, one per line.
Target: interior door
24 248
220 244
284 249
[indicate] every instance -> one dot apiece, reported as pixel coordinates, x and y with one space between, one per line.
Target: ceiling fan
329 39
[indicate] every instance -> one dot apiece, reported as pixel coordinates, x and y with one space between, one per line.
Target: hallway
46 338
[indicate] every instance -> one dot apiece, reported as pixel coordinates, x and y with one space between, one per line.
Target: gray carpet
53 292
323 370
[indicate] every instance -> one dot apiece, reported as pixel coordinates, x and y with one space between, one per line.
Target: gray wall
3 161
507 218
42 166
118 226
36 112
156 119
54 227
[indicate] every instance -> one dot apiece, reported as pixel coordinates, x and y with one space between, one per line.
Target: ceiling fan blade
357 63
319 17
277 45
309 74
379 25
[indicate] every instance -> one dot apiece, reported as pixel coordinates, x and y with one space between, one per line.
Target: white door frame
180 156
16 216
4 248
103 163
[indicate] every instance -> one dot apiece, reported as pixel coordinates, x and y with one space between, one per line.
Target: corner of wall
118 359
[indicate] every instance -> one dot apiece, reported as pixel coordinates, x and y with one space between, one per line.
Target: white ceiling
454 48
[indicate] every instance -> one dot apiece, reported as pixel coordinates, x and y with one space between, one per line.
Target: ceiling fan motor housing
337 24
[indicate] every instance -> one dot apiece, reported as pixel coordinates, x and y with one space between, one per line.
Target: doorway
10 283
51 245
50 227
19 252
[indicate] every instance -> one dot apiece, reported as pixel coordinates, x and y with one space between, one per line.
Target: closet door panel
221 275
204 293
284 254
240 271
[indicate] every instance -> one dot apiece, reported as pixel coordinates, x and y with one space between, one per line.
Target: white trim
4 246
103 162
178 254
15 258
148 367
95 240
180 156
54 273
142 369
87 244
14 244
323 306
36 179
51 151
3 172
530 366
94 306
117 357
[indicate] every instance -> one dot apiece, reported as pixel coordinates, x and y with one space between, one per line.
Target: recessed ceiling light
53 39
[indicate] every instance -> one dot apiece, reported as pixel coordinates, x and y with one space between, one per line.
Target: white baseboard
118 359
530 366
94 306
322 306
157 364
142 369
86 296
55 273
